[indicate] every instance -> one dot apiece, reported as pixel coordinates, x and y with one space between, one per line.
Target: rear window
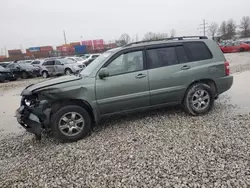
198 51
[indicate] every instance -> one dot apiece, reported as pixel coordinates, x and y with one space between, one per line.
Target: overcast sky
41 22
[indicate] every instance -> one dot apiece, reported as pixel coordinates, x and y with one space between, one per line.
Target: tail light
227 68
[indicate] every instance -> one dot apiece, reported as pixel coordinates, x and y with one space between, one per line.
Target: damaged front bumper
34 117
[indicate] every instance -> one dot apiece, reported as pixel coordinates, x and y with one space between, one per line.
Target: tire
68 71
24 75
45 74
194 99
61 128
242 49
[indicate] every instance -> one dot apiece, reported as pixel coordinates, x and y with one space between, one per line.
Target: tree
172 33
154 36
223 30
213 28
123 40
231 29
245 26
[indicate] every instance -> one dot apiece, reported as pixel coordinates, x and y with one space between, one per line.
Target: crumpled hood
53 81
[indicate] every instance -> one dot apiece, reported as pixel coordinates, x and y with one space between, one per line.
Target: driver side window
126 63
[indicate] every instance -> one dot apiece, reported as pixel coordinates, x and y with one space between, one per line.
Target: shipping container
46 48
15 52
81 49
98 44
75 44
34 49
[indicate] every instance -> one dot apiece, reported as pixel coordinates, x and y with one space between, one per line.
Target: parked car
90 58
231 47
6 74
59 67
24 70
77 60
138 76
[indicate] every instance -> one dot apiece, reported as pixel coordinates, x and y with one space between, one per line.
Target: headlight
27 102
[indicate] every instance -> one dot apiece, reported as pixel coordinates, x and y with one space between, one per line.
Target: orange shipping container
46 48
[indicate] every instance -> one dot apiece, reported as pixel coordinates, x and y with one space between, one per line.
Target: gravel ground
163 148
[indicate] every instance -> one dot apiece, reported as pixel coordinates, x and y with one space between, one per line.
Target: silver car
53 67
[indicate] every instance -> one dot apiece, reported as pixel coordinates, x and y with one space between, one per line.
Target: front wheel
71 123
68 72
45 74
199 99
24 75
242 49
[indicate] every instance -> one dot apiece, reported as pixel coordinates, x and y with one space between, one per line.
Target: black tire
188 102
45 74
68 71
24 75
242 49
56 119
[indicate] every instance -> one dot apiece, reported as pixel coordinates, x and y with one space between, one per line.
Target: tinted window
11 66
48 63
181 54
95 56
125 63
58 62
35 62
198 51
161 57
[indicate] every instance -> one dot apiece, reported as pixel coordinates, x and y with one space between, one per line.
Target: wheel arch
207 81
82 103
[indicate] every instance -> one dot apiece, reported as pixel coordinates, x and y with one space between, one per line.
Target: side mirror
103 73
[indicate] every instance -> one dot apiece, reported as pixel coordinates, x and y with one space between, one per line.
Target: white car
77 60
90 58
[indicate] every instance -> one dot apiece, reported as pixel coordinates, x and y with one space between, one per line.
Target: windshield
89 69
78 59
67 61
1 68
26 65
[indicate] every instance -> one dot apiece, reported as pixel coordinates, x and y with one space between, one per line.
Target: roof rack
165 39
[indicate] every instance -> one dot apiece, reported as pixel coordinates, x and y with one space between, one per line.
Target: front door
59 67
126 88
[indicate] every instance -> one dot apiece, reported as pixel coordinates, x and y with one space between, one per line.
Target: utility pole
204 27
64 35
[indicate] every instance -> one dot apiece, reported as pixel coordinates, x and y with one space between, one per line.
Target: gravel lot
163 148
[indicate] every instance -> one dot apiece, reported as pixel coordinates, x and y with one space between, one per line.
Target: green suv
191 71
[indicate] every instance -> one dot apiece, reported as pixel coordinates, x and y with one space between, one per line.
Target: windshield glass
26 65
67 61
1 68
78 59
88 70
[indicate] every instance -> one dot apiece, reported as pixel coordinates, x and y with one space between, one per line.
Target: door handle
185 67
141 75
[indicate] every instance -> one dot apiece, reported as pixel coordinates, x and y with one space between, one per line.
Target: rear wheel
24 75
71 123
242 49
199 99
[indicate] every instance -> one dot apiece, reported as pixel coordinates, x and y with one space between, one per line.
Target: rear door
50 66
172 68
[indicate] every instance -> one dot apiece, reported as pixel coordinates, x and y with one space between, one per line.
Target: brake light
227 68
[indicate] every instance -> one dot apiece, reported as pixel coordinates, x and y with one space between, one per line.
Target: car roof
165 41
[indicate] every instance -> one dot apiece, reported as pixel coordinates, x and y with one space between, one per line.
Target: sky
30 23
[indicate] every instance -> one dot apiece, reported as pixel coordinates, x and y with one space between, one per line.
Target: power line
203 27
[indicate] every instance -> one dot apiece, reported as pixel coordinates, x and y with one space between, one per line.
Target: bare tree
213 28
223 30
231 29
123 40
154 36
172 33
245 26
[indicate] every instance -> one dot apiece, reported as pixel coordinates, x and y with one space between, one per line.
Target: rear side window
161 57
48 63
35 62
198 51
181 54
